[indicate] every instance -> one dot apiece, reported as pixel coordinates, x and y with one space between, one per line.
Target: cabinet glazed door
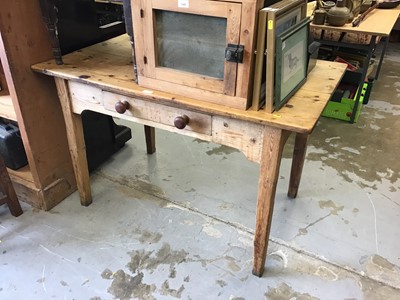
184 42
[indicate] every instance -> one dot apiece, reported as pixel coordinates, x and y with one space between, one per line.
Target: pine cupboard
197 48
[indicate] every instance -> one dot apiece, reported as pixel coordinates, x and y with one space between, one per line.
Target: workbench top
378 22
108 65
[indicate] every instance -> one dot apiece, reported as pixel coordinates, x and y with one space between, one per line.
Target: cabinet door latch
234 53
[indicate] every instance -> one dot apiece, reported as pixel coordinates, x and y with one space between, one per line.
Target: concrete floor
179 223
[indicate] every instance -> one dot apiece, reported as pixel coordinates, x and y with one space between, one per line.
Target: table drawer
159 113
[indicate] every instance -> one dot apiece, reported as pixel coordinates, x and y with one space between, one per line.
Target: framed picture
288 20
273 21
291 61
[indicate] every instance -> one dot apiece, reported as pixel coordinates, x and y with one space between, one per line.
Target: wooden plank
247 38
24 41
191 80
137 8
299 115
209 96
55 192
199 122
85 97
6 187
150 136
260 59
273 142
28 194
45 198
245 136
76 143
6 108
25 187
3 83
85 101
199 7
299 155
22 175
270 65
148 41
232 37
379 22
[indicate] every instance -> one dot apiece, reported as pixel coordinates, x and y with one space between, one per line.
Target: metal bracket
234 53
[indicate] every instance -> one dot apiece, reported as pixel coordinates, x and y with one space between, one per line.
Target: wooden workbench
376 25
98 77
379 22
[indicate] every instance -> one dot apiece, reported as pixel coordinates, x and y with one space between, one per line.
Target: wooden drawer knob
180 122
122 106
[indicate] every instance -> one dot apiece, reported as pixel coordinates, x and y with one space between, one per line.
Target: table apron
240 134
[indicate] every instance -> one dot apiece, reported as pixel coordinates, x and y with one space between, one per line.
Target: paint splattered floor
171 226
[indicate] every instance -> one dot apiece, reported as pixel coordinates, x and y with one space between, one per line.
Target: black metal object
348 82
82 23
102 137
128 18
129 31
313 49
385 41
11 147
371 47
234 53
49 16
388 4
75 24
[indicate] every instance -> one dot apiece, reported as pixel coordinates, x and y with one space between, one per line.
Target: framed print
291 62
273 21
288 20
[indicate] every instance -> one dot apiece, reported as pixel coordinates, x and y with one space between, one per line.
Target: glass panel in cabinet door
191 43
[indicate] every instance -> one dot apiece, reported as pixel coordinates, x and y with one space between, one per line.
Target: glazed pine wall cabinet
197 48
31 100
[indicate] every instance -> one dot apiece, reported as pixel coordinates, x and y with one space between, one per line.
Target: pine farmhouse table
101 78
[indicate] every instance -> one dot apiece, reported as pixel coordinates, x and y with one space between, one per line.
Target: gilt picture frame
291 61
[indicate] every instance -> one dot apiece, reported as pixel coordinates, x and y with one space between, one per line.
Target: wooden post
274 140
33 100
299 155
150 135
6 187
76 142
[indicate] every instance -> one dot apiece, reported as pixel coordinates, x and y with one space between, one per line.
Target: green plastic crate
343 110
